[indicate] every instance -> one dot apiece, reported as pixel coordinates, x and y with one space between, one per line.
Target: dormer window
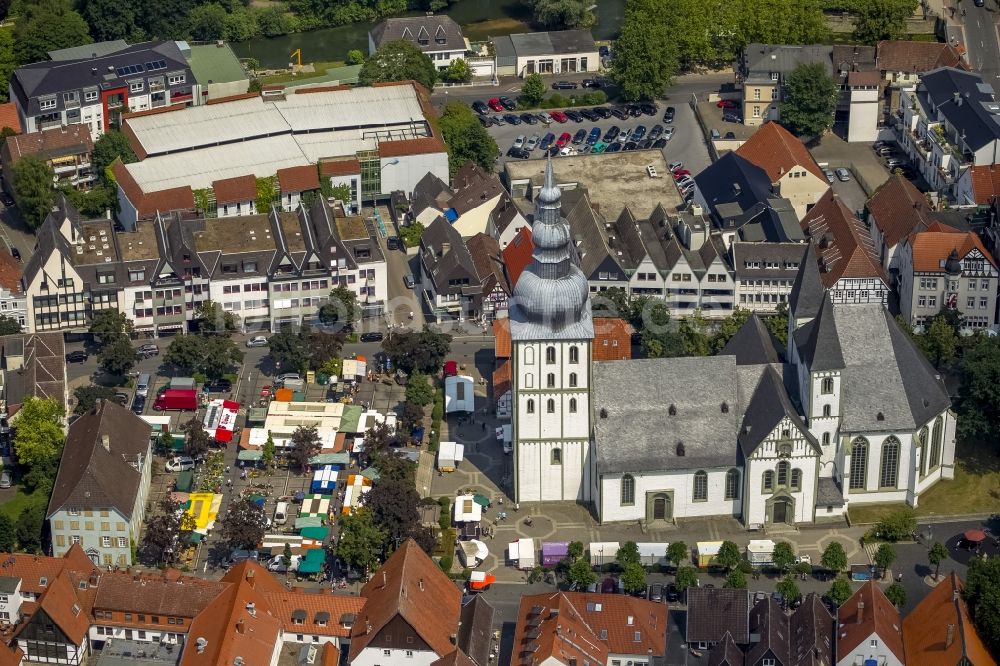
47 103
43 581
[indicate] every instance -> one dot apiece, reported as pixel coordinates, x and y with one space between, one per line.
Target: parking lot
687 144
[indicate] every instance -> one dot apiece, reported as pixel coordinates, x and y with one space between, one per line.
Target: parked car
374 336
620 112
180 464
843 175
681 173
565 85
507 103
660 143
655 592
512 119
529 118
591 83
76 357
559 117
675 166
648 109
727 104
519 141
6 199
580 136
672 594
495 104
893 163
594 136
638 133
480 107
14 252
218 386
715 134
122 398
612 133
288 376
574 116
603 112
668 115
532 143
486 121
547 141
564 138
614 147
599 148
656 132
668 133
257 341
545 117
394 243
590 115
731 117
630 145
408 281
6 479
148 350
138 404
829 175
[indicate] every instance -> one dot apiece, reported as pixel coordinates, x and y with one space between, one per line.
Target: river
479 19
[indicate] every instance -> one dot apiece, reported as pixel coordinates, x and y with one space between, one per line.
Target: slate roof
43 373
846 249
766 409
640 434
91 477
775 150
733 179
587 230
925 629
473 187
418 29
725 653
775 260
917 57
451 264
556 43
715 611
868 612
753 344
888 384
475 630
430 192
854 59
976 113
807 290
768 620
759 60
488 261
812 632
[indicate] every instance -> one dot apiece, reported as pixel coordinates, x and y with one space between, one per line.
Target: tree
628 553
424 351
240 25
393 504
30 522
896 594
788 589
110 20
736 579
117 357
561 14
186 352
419 390
694 341
244 524
361 541
212 318
267 455
982 593
575 549
286 556
810 100
221 355
33 189
87 396
580 574
196 439
7 65
207 22
937 554
341 308
38 435
777 324
532 90
289 350
783 556
9 325
303 445
898 525
979 393
633 578
646 52
834 558
729 555
162 532
877 20
355 57
8 540
884 557
466 138
398 60
685 577
728 327
840 591
939 341
47 25
110 324
110 147
458 71
677 552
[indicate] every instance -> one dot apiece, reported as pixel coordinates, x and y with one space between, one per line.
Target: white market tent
603 552
760 551
651 554
458 394
521 553
467 510
450 454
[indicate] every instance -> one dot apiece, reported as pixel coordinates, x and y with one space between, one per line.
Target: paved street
981 40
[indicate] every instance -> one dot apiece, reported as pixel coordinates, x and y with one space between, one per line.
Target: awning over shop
315 532
305 522
250 455
371 473
343 458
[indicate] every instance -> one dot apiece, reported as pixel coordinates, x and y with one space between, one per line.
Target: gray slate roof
639 433
976 113
769 405
807 290
475 629
759 60
715 611
785 257
563 42
447 268
753 344
100 49
429 33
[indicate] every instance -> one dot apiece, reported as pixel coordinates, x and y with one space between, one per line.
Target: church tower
552 333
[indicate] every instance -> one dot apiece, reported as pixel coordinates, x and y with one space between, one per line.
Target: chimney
957 98
445 248
421 584
861 612
106 442
385 579
949 636
250 581
241 628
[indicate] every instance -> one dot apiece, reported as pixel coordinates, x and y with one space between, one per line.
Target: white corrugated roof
357 107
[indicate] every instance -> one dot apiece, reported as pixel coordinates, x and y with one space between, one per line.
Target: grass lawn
13 507
975 489
320 70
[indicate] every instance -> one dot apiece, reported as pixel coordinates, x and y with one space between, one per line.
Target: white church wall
679 484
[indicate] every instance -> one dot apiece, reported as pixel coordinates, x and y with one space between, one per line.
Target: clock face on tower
785 450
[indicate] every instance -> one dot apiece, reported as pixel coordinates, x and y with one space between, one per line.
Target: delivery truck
181 399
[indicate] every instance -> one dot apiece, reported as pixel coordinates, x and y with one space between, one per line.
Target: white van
281 513
142 385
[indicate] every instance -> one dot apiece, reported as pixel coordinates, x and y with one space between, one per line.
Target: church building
848 411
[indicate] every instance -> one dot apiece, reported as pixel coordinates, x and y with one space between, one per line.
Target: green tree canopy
117 357
633 578
840 591
628 553
788 589
361 541
575 549
729 555
877 20
110 19
937 554
111 324
581 574
686 577
810 99
289 349
33 191
304 444
561 14
244 524
939 341
979 392
896 594
677 552
898 525
736 579
424 351
834 558
532 90
29 527
207 22
646 51
7 64
341 308
9 325
398 60
212 318
87 396
784 555
466 138
419 390
982 592
38 436
47 25
196 438
458 71
884 557
8 536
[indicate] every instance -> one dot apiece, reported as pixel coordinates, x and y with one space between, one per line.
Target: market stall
314 505
521 554
220 419
554 552
324 479
450 454
357 486
467 509
603 552
653 554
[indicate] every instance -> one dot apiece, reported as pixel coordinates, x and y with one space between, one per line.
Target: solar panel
130 69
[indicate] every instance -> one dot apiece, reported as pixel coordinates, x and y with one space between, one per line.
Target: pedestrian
517 507
229 482
899 578
484 427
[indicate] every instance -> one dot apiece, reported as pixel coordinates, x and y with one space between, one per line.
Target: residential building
437 36
844 253
96 84
761 72
12 298
8 117
978 185
793 172
101 491
65 149
764 273
940 630
517 255
449 283
394 626
948 123
587 227
803 638
713 613
344 172
377 137
235 196
898 209
566 628
294 182
943 268
34 365
561 52
863 93
73 272
486 257
902 62
870 627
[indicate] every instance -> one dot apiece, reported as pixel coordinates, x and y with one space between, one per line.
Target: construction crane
297 54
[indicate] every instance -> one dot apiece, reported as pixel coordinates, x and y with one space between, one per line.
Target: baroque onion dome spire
551 296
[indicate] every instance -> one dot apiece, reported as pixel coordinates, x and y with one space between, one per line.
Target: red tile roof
405 147
407 587
517 255
298 179
501 338
348 167
67 609
899 209
334 606
775 150
10 655
868 612
147 204
234 98
985 183
927 627
501 380
917 57
231 190
10 272
486 257
844 247
612 339
57 142
867 78
932 248
9 117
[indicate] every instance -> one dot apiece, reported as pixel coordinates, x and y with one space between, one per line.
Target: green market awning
304 522
250 454
195 537
331 459
185 480
481 500
307 567
318 533
351 418
256 415
371 473
315 555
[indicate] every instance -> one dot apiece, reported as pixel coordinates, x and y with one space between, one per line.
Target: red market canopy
975 535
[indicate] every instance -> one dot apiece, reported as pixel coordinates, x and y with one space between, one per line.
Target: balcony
60 169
